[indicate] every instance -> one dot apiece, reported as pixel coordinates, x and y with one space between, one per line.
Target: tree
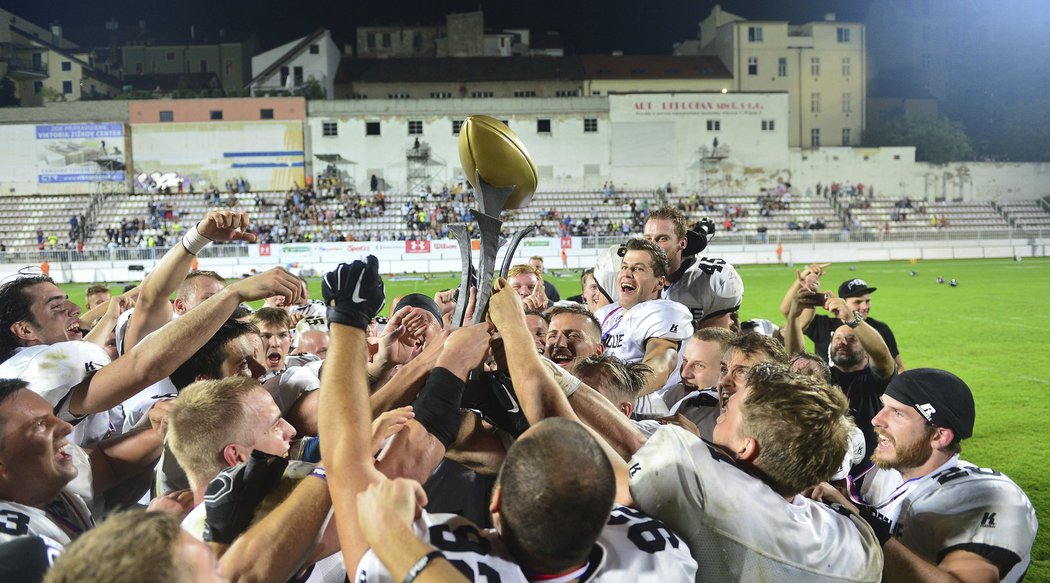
936 138
312 89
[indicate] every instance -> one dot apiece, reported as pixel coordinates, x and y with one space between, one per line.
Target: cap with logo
942 398
854 288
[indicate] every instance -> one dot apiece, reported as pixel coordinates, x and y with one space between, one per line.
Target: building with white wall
285 69
820 65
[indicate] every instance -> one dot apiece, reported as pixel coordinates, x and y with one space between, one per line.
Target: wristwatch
857 319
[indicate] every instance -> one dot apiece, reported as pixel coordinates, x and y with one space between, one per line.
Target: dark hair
539 314
16 305
207 361
657 256
97 288
272 317
556 491
9 387
577 309
672 214
751 344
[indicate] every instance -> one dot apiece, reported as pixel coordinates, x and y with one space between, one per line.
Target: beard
911 455
847 359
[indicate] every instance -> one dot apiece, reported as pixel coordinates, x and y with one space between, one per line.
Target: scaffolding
422 167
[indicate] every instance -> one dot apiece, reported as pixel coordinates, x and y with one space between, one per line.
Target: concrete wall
199 110
404 257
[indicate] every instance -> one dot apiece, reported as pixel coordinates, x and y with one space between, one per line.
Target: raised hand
273 282
226 225
354 293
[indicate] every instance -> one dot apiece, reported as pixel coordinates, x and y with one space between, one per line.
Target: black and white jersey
288 385
62 521
632 547
53 372
957 507
740 529
707 286
699 406
626 332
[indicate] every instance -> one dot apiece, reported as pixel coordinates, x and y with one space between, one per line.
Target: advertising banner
80 152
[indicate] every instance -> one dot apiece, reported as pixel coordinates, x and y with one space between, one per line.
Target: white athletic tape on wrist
194 242
568 383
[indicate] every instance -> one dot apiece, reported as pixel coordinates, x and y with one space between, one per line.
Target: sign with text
80 152
417 246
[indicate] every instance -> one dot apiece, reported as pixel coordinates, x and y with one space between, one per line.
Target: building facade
287 68
820 65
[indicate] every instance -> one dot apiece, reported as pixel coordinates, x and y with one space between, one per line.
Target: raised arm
153 309
661 356
159 355
879 354
809 279
354 294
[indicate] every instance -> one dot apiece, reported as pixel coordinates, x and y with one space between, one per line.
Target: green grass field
991 330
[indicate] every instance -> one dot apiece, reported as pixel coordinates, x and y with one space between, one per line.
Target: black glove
354 293
233 495
492 395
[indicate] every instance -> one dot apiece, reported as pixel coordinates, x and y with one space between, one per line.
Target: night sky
590 26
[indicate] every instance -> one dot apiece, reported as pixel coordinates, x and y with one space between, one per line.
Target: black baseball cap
420 301
942 398
854 288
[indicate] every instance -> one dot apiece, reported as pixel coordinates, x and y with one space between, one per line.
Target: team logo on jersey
634 469
926 410
988 520
613 340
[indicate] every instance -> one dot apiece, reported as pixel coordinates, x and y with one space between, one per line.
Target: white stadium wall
268 154
408 257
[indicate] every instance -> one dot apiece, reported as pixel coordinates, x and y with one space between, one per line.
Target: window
265 114
752 66
843 34
567 93
285 72
543 126
847 102
170 56
814 102
714 125
847 137
372 128
371 40
216 114
590 125
397 96
814 66
754 34
814 137
440 95
67 66
415 127
315 50
524 94
386 40
204 66
782 67
167 116
356 95
329 129
847 66
481 94
768 125
456 124
67 87
417 41
297 73
38 86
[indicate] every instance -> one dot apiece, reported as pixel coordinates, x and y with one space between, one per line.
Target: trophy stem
459 231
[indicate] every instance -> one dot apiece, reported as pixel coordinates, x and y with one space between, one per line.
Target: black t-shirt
551 291
821 328
863 389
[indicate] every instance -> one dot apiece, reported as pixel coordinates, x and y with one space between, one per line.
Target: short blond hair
801 424
522 269
128 547
205 418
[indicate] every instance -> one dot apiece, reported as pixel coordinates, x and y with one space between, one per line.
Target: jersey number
710 266
648 534
465 539
13 523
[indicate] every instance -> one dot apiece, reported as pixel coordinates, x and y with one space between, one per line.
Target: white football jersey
289 384
625 332
957 507
708 287
700 407
53 371
62 521
632 547
740 529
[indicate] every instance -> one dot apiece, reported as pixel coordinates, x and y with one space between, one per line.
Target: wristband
568 383
420 565
319 472
857 319
436 406
194 242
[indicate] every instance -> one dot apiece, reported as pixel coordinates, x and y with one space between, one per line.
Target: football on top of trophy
488 146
